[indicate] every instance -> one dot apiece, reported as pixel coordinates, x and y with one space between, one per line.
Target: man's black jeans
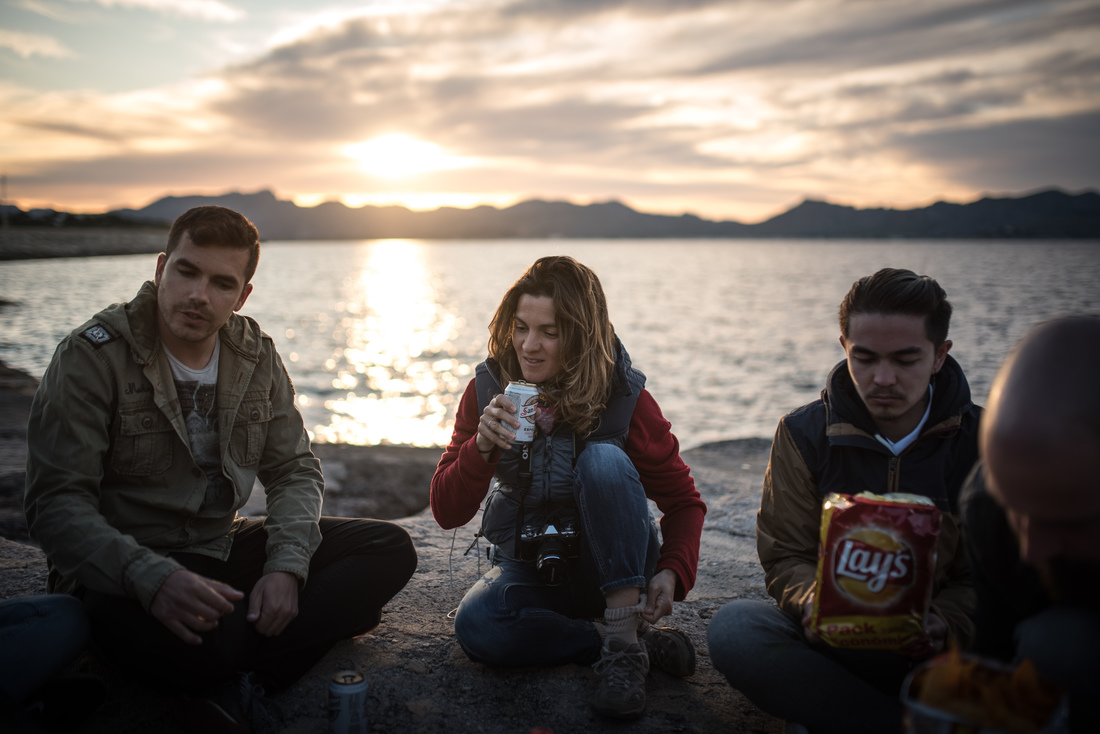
358 567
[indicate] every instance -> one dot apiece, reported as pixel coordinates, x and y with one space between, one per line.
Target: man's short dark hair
217 225
893 291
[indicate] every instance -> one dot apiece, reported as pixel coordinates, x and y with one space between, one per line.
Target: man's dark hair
216 225
893 291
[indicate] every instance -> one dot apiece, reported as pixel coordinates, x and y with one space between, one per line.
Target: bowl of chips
955 693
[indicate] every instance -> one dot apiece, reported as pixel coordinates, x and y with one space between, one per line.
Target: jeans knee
603 458
71 621
739 632
478 636
723 634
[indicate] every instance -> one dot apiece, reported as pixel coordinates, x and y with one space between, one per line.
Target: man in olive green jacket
149 428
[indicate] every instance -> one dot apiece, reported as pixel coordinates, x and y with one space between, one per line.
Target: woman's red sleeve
655 452
462 476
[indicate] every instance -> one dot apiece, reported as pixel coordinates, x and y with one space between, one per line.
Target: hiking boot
670 651
234 707
621 670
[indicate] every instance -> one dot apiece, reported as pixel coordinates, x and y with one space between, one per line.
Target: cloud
27 45
1019 155
210 10
735 104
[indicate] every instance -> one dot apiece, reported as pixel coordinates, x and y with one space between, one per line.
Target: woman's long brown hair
587 338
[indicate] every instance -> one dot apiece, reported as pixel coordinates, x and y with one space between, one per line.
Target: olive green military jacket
112 486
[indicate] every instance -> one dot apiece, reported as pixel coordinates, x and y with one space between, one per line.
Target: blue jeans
1064 644
763 653
510 618
39 637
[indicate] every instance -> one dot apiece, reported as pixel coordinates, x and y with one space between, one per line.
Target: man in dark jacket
896 416
1033 513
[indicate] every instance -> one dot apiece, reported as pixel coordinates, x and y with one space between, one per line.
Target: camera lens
553 569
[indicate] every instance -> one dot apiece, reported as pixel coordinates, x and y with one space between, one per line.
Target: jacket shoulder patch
97 336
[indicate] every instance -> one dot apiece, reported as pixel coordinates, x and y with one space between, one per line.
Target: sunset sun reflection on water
396 373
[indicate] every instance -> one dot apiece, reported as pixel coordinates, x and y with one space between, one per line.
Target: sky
731 110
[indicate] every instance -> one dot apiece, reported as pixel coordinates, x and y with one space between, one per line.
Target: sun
396 155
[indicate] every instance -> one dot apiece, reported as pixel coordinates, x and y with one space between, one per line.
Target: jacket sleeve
462 476
788 525
292 479
954 599
655 453
68 437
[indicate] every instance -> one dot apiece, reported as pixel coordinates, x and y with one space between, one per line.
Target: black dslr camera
554 548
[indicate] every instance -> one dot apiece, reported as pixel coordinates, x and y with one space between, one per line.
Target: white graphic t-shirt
198 394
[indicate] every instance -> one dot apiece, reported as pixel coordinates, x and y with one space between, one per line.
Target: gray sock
621 623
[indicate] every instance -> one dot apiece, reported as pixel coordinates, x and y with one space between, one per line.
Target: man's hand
934 640
659 595
273 602
807 615
187 603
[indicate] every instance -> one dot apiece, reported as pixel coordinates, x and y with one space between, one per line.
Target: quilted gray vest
553 455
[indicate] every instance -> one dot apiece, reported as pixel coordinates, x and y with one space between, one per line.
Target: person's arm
954 600
788 526
68 439
464 472
655 453
292 479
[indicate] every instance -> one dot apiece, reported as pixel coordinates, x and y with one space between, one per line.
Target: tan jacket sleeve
292 479
954 598
788 525
68 437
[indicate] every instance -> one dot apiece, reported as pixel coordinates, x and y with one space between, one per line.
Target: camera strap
524 480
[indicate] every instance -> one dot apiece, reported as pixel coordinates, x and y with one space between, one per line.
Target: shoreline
38 243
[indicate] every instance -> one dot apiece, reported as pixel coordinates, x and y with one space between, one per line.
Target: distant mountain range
1047 214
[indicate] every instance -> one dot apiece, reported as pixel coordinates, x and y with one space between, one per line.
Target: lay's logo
873 567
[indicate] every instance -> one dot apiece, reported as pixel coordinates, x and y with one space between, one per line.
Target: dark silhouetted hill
1047 214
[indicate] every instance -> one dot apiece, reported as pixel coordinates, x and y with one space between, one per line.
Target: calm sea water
381 337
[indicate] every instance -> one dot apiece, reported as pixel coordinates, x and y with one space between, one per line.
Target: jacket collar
848 414
136 322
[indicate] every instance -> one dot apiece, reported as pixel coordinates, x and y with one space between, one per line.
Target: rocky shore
419 679
24 243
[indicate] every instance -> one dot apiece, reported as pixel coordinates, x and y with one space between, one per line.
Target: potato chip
985 694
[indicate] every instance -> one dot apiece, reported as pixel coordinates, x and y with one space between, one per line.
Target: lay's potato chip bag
875 567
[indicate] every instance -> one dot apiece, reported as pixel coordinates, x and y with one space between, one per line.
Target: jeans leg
616 527
1064 644
510 618
39 637
763 653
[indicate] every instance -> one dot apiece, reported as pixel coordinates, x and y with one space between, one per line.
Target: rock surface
419 679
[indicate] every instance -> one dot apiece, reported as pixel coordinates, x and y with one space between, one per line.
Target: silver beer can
525 396
347 703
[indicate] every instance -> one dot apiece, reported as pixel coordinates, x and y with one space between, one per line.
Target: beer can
347 703
525 396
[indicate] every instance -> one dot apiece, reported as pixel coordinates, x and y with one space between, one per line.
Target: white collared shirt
898 446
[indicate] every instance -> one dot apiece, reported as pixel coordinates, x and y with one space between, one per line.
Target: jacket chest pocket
143 442
250 430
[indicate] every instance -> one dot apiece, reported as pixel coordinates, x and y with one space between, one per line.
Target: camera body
553 547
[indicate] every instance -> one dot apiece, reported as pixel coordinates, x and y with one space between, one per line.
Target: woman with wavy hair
580 574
